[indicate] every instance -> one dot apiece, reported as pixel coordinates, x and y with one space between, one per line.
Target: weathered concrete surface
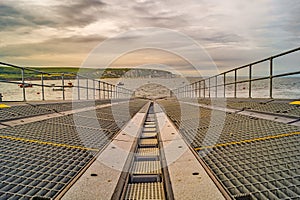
188 178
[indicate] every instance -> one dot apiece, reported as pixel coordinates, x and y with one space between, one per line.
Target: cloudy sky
64 32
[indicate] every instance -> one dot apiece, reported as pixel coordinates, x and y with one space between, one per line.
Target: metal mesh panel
252 157
145 191
41 158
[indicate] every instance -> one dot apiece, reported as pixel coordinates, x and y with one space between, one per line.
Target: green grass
10 73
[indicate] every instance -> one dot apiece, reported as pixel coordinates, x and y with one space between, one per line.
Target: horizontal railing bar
13 82
287 52
263 60
253 63
24 68
11 65
193 87
286 74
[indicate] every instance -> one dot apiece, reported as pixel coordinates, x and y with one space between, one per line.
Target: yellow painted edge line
4 106
248 141
295 102
47 143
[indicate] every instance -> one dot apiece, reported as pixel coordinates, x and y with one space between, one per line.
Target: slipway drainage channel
145 175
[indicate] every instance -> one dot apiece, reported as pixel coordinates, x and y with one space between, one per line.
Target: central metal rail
146 176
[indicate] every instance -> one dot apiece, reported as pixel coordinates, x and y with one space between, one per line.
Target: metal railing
83 86
215 86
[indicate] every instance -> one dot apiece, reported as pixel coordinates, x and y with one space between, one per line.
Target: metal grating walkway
36 109
39 159
252 158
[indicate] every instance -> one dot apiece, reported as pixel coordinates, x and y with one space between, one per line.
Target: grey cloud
11 17
78 14
223 38
7 11
292 16
79 39
71 45
157 13
205 21
81 13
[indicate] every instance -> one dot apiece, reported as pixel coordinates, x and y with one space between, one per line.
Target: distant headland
7 73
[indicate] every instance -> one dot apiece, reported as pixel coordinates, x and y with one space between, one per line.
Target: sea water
283 88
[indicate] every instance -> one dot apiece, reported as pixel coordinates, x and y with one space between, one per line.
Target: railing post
111 91
78 87
250 81
216 86
23 83
196 90
43 89
180 92
99 86
104 90
208 87
199 89
87 88
63 86
108 91
117 92
108 88
204 88
224 84
186 91
235 84
94 89
271 77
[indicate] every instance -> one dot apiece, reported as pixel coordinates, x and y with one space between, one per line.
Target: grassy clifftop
8 73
